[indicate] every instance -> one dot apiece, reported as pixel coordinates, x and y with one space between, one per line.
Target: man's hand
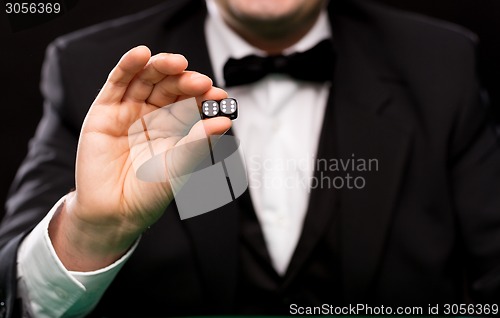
110 207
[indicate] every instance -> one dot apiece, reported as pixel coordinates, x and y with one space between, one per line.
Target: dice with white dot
227 107
209 109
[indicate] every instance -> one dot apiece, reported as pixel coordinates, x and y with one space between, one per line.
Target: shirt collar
224 43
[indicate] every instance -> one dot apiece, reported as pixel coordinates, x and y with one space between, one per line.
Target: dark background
23 41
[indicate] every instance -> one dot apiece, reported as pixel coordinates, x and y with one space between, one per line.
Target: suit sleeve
475 161
46 174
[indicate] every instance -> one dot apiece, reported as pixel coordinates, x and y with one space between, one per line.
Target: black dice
210 108
227 107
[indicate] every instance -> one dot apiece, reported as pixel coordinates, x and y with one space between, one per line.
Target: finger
173 120
175 157
212 127
216 126
213 93
193 148
120 77
158 67
173 88
182 116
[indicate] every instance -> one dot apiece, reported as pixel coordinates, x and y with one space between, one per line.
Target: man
422 229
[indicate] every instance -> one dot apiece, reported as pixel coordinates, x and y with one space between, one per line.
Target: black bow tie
315 65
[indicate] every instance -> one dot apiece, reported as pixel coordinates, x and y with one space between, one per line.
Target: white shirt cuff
47 288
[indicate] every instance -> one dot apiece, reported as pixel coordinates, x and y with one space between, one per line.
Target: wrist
87 245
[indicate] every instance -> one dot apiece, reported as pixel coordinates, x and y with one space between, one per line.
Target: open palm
107 189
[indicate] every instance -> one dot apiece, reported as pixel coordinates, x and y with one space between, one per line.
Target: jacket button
3 310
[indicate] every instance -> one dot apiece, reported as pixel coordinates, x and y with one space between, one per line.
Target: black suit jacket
425 229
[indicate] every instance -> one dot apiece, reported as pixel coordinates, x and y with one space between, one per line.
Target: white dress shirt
47 288
279 125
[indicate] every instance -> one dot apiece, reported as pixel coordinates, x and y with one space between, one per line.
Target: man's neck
273 37
272 43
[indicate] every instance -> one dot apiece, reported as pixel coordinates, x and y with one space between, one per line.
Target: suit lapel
323 202
365 214
355 128
361 98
